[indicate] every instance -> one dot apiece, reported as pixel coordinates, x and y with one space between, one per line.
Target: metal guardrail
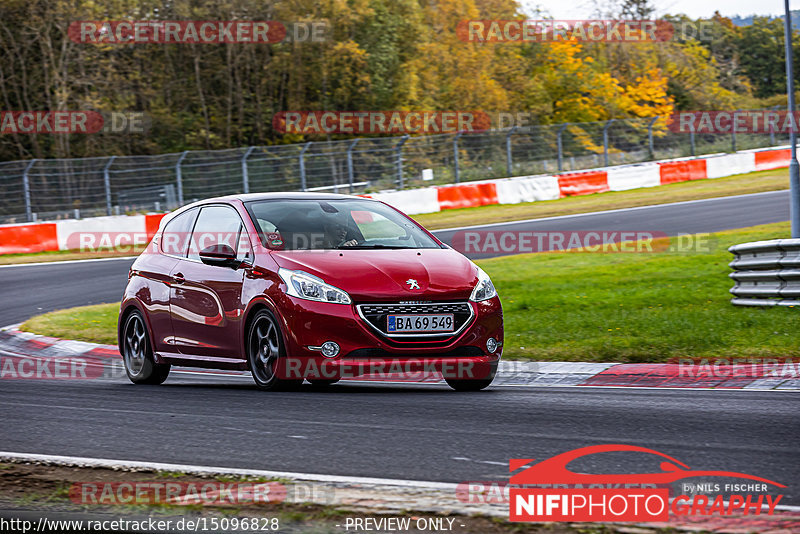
766 273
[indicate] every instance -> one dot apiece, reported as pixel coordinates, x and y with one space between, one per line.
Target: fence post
691 141
179 177
605 141
772 130
650 137
560 146
303 165
26 188
245 176
399 149
455 157
350 148
107 184
509 165
733 134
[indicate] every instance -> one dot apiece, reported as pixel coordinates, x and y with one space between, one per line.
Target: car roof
288 195
251 197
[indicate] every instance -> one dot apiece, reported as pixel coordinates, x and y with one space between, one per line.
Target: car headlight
484 289
302 285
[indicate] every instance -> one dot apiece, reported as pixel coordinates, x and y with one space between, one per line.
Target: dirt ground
34 491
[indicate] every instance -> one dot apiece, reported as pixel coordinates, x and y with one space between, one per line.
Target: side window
175 239
215 225
243 248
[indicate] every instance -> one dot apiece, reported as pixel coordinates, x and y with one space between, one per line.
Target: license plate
420 323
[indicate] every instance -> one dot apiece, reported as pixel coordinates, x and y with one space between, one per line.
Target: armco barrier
411 201
633 176
70 232
468 195
682 171
56 236
729 164
527 189
771 159
583 183
766 273
17 238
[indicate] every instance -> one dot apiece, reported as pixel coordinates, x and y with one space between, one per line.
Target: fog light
330 349
491 345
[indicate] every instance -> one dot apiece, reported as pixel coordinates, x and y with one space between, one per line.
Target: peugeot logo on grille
412 284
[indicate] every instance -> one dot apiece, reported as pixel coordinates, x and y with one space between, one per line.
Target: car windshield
335 224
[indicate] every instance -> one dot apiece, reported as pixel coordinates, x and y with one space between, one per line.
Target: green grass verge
583 306
96 324
637 307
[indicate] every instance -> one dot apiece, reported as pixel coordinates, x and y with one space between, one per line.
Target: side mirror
220 255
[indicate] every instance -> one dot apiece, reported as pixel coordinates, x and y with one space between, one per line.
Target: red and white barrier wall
60 235
103 232
550 187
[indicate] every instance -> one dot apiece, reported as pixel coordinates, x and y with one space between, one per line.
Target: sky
578 9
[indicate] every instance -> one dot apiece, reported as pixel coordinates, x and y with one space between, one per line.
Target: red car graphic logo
554 470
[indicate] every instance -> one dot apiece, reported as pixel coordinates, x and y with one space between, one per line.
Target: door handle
178 278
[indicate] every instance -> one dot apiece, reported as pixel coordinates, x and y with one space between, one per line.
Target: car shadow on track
335 389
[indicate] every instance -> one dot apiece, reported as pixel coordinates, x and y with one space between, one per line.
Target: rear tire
137 353
266 354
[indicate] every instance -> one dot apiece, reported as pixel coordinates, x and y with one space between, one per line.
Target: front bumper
364 350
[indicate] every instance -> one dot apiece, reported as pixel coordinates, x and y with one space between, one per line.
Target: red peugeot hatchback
295 286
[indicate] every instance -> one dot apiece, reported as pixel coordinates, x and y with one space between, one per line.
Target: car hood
384 275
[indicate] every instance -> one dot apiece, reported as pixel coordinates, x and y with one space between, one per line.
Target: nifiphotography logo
641 497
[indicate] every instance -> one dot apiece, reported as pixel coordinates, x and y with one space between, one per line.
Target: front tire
464 384
266 354
137 353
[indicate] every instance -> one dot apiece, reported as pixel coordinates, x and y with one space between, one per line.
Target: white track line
78 461
653 388
66 262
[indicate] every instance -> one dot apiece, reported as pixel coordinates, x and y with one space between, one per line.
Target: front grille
375 315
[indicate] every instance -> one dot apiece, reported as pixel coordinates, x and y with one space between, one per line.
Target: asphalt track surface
413 432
